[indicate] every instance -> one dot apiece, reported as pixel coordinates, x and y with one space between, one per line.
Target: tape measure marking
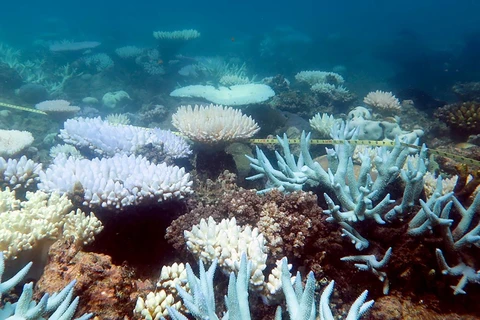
12 106
462 159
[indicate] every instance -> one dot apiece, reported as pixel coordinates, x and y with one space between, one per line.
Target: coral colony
101 187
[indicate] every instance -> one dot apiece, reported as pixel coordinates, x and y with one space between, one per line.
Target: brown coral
463 117
468 181
105 289
289 222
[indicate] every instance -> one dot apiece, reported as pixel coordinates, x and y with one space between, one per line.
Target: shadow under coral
136 236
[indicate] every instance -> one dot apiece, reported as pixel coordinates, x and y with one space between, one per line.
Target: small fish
232 39
464 145
160 61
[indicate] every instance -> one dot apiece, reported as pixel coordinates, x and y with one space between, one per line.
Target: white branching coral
67 149
14 141
19 173
233 79
226 241
42 216
128 52
154 305
382 100
316 77
448 184
108 139
323 123
214 124
186 34
326 84
117 119
115 182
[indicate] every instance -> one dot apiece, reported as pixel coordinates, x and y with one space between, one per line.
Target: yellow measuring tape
12 106
464 160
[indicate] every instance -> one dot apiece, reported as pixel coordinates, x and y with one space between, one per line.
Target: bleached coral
232 79
118 118
127 52
58 305
236 95
214 124
370 263
81 227
73 46
316 77
460 234
186 34
382 100
112 99
149 62
14 141
19 173
115 182
323 123
359 112
99 61
171 276
42 216
66 149
325 88
326 84
53 106
155 304
105 138
226 241
360 196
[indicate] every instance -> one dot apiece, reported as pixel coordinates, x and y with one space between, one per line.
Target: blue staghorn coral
300 300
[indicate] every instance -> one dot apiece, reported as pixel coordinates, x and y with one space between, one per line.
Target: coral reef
300 103
395 184
382 101
115 182
288 221
214 124
186 34
328 86
323 124
106 289
107 139
462 117
237 95
156 303
28 224
19 173
14 141
59 305
57 106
